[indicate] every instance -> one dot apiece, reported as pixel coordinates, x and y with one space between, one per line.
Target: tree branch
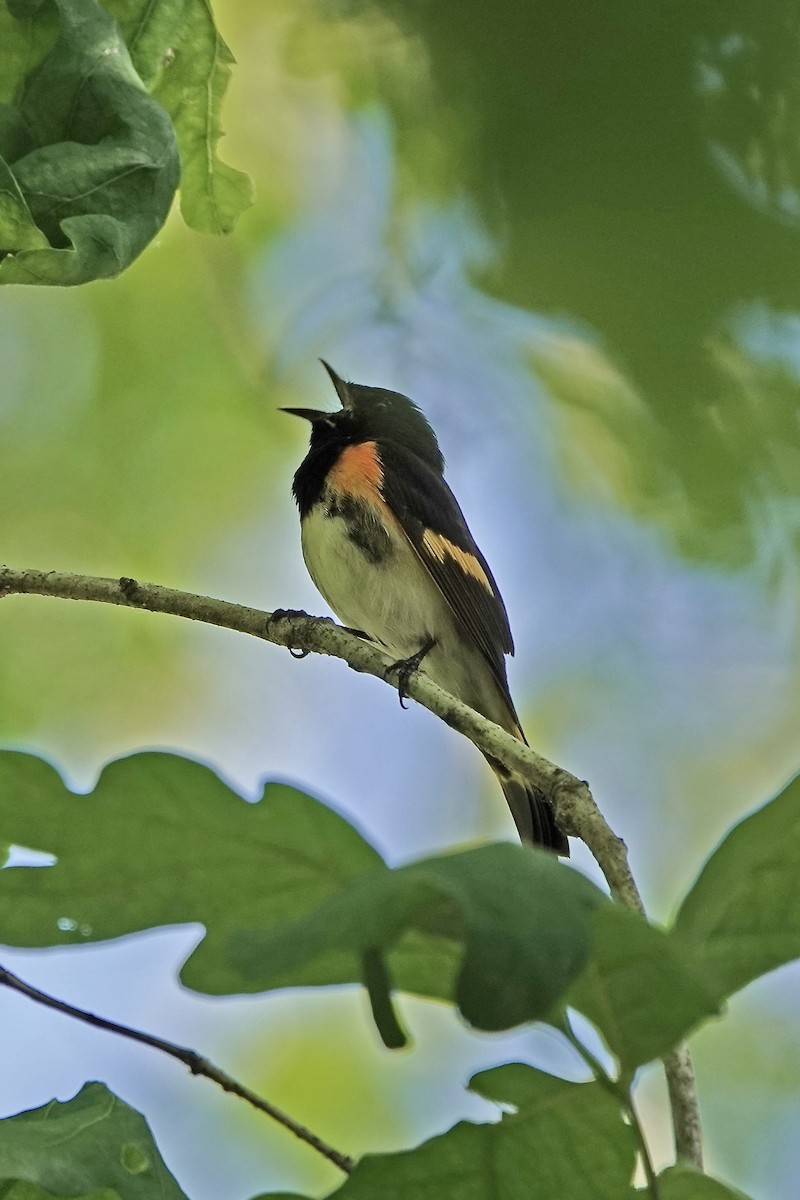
685 1106
576 811
197 1064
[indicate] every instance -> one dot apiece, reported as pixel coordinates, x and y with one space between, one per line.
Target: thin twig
197 1064
623 1096
576 811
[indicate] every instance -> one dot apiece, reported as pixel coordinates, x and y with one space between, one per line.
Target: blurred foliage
593 141
133 432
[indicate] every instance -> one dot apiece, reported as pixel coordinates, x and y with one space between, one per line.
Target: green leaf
20 1190
289 886
23 45
564 1141
18 230
375 978
743 914
213 195
150 28
682 1183
93 1147
93 158
644 989
162 840
184 62
522 917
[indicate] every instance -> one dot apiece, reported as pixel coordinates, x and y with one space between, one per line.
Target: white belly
401 609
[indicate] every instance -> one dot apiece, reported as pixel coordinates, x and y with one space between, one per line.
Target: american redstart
387 545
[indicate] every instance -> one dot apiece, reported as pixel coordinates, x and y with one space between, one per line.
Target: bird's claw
286 614
404 668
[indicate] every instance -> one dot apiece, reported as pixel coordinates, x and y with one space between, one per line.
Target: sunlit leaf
213 195
183 60
150 28
93 1147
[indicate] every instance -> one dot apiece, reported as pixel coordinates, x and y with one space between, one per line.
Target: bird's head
372 414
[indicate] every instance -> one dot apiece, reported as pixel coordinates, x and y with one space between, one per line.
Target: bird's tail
533 815
532 811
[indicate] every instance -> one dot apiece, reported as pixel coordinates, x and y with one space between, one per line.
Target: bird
387 546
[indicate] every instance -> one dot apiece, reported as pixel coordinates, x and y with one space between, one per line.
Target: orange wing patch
358 472
441 548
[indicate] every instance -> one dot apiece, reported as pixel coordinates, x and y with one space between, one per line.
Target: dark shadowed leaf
90 159
743 913
93 1147
523 919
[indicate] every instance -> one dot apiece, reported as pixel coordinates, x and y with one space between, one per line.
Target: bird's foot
404 668
284 614
287 614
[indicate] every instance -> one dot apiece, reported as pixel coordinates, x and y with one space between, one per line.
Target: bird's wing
434 525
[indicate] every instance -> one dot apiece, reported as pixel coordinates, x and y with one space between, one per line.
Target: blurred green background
570 232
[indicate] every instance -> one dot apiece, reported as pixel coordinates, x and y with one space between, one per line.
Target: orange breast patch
358 472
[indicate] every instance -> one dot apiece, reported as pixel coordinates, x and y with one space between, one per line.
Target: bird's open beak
313 414
308 414
342 390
